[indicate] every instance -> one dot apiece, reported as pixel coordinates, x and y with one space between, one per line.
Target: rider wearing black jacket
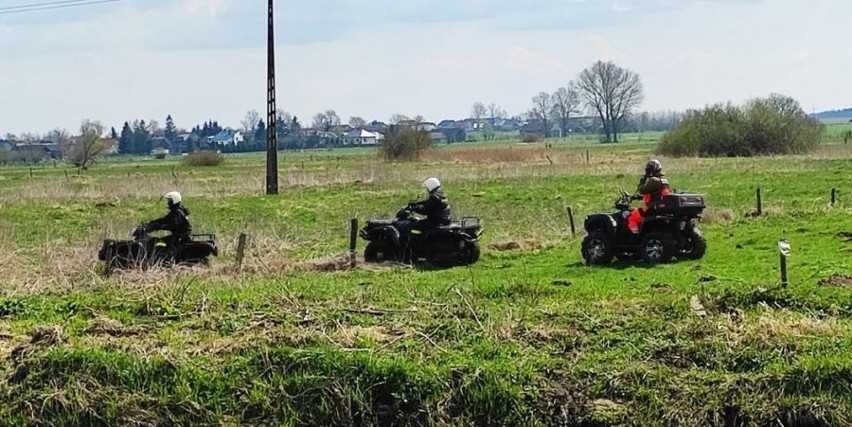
175 221
436 208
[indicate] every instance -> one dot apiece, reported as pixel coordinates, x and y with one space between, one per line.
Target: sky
206 59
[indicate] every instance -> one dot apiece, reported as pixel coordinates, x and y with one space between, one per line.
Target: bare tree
250 122
495 112
155 129
57 136
542 105
357 122
396 118
333 119
478 112
611 91
566 101
320 121
90 145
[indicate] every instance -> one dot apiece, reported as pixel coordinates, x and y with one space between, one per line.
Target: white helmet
431 184
172 198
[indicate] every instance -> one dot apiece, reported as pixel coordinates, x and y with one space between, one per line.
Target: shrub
531 137
773 125
203 158
405 144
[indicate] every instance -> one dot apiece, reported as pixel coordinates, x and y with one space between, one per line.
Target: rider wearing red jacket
652 187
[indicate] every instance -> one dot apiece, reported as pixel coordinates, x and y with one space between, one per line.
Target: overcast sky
200 59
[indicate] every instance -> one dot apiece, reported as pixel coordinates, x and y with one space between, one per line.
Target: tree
113 135
57 136
396 118
357 122
260 131
89 145
405 145
171 131
250 122
566 102
333 120
611 91
478 112
126 140
542 106
154 129
141 138
495 112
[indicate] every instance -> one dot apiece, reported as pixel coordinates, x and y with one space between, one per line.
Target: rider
175 221
436 208
652 187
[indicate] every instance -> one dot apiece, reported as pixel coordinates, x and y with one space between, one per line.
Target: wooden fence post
783 253
571 221
241 250
353 239
759 202
833 196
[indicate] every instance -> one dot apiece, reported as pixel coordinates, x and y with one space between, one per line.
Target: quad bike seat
379 222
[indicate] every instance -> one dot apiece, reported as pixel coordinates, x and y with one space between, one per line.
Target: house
39 150
226 137
111 146
184 142
447 124
376 126
160 146
362 137
507 125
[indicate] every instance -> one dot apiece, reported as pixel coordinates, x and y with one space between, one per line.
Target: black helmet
654 166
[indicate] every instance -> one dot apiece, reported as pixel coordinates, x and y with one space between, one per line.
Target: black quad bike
146 250
669 230
446 246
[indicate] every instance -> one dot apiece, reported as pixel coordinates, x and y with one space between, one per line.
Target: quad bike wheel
470 252
378 252
597 248
695 245
657 248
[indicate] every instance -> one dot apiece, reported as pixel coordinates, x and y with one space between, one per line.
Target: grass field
528 336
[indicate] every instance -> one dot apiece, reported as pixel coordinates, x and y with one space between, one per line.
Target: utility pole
271 119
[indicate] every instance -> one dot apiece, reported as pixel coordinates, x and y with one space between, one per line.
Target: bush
531 137
405 145
203 158
773 125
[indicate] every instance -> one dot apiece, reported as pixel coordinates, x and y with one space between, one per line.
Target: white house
362 137
227 137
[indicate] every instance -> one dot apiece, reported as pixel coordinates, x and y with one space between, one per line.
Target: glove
636 197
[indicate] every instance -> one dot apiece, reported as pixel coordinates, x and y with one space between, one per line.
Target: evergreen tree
171 130
260 132
125 142
112 133
141 139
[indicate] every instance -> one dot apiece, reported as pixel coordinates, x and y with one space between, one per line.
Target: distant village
291 136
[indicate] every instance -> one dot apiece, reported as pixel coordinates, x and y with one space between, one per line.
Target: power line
33 7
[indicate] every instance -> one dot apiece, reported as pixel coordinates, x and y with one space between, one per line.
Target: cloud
212 8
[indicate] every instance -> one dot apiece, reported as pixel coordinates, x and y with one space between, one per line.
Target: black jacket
175 221
436 208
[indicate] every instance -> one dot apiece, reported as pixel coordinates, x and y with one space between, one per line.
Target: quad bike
669 230
450 245
146 250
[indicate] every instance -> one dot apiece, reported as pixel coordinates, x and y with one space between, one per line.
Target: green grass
525 337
